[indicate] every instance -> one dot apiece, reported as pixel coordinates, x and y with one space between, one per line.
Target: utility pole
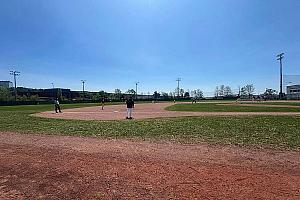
280 57
83 82
178 80
15 73
136 84
53 94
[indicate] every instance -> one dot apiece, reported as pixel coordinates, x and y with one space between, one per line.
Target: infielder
130 106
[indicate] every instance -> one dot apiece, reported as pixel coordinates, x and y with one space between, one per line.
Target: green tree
186 95
118 94
270 94
23 98
181 92
197 94
165 95
96 96
217 91
5 94
227 91
247 90
156 95
33 97
221 90
102 94
130 91
59 94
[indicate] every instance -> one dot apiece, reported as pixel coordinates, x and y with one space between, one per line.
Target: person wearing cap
130 106
57 106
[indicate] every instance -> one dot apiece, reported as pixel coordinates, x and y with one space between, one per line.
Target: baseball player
130 106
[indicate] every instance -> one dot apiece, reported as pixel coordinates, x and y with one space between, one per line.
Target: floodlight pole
136 84
83 82
280 57
53 90
15 73
178 80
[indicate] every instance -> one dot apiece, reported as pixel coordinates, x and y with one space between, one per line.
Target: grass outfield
214 107
264 131
288 103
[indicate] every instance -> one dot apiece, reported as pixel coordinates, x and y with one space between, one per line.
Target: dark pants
57 107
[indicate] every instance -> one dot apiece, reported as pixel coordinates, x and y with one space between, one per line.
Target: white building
6 84
293 92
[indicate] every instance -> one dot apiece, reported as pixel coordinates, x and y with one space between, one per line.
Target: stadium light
280 57
178 80
15 73
53 94
83 82
136 84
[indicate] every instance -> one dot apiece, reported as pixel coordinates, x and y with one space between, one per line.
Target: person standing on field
102 103
57 106
130 106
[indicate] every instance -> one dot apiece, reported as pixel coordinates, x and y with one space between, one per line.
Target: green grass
44 107
266 131
215 107
274 103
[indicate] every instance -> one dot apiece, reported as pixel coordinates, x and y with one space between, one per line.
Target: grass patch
44 107
265 131
214 107
274 103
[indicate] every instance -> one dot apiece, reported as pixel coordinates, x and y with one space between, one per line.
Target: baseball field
207 150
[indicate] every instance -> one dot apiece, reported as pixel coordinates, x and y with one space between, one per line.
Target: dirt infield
62 167
143 111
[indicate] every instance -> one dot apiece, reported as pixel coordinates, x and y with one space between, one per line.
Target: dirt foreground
144 111
64 167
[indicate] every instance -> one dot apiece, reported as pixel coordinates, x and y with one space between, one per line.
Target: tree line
245 92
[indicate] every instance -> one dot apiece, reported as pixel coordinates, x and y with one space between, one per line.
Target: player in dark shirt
102 103
130 106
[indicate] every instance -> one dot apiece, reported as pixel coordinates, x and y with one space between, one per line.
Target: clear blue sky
113 43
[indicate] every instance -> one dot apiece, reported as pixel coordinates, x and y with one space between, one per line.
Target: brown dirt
64 167
144 111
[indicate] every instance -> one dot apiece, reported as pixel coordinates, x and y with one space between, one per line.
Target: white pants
129 112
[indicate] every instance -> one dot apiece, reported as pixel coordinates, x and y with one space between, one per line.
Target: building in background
293 92
6 84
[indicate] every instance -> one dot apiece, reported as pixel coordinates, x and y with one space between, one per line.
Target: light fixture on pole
178 80
136 84
15 73
83 82
53 94
280 57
